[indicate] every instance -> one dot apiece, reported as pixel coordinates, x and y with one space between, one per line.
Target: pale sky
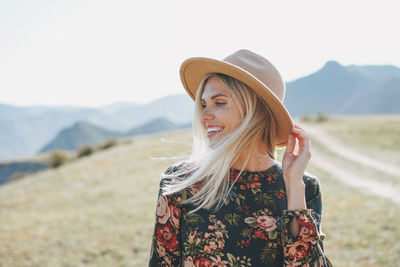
93 53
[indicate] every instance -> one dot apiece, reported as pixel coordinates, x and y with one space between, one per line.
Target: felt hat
253 70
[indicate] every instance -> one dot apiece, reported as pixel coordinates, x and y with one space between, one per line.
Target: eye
218 103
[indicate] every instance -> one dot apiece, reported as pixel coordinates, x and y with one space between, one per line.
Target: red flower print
218 234
217 261
223 226
191 236
167 210
270 180
175 213
194 188
221 244
244 243
207 249
161 250
254 183
232 177
167 238
189 262
307 231
163 211
279 194
202 262
245 208
260 234
265 222
298 250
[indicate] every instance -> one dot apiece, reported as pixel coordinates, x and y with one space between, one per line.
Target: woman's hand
294 164
293 167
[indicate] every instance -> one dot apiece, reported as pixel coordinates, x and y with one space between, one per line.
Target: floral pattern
251 229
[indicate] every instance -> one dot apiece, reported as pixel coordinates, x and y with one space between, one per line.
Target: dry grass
99 211
377 135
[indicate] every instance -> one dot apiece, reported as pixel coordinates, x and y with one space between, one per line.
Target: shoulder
176 171
310 180
313 187
178 167
172 176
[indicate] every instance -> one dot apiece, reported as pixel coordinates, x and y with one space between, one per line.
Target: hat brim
193 70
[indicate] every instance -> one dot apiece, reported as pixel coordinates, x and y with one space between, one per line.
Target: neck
256 162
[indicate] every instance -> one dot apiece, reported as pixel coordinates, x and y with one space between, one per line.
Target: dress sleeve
166 244
306 249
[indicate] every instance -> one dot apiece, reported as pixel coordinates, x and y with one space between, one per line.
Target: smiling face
220 114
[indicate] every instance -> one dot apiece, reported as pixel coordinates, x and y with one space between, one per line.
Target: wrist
296 197
295 186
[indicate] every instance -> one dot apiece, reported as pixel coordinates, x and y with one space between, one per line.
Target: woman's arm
166 247
296 201
306 247
293 167
301 234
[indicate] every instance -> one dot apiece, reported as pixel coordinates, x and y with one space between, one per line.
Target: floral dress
251 229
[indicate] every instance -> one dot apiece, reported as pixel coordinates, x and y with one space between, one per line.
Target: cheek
236 119
232 122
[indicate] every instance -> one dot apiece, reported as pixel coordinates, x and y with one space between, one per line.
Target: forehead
214 87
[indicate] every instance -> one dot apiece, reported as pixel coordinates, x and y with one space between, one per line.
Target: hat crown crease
260 68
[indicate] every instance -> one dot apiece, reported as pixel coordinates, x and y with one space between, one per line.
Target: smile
214 130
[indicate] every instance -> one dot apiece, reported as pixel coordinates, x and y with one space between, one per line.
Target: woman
231 203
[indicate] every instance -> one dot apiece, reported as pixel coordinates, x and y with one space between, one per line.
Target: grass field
99 211
377 135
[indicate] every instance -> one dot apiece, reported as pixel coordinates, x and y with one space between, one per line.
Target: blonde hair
211 167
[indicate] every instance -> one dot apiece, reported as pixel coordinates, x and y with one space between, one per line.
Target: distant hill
335 89
83 133
76 136
80 134
24 131
7 170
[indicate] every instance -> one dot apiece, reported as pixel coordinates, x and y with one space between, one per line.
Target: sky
94 53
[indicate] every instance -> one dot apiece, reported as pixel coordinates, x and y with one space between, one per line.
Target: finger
291 144
304 140
300 130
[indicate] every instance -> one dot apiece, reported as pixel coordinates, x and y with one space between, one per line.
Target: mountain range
334 89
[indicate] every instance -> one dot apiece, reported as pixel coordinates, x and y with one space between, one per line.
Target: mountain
175 108
78 135
335 89
154 126
115 107
383 97
24 131
83 133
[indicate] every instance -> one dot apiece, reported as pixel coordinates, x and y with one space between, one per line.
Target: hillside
335 89
99 211
83 133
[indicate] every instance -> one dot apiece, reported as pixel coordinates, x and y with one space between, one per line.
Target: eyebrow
215 96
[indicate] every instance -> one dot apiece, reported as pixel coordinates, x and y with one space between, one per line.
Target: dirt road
351 178
338 148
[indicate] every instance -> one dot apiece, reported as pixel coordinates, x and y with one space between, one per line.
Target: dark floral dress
251 229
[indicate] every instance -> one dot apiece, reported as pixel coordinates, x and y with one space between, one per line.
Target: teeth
214 129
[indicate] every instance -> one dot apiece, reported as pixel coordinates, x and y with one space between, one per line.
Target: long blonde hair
211 166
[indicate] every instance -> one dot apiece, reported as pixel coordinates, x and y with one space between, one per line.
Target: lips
211 131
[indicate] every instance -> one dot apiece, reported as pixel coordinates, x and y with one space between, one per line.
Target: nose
207 115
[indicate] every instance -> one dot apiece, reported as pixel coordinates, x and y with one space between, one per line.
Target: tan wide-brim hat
251 69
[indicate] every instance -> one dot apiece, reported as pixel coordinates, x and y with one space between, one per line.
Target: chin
213 143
